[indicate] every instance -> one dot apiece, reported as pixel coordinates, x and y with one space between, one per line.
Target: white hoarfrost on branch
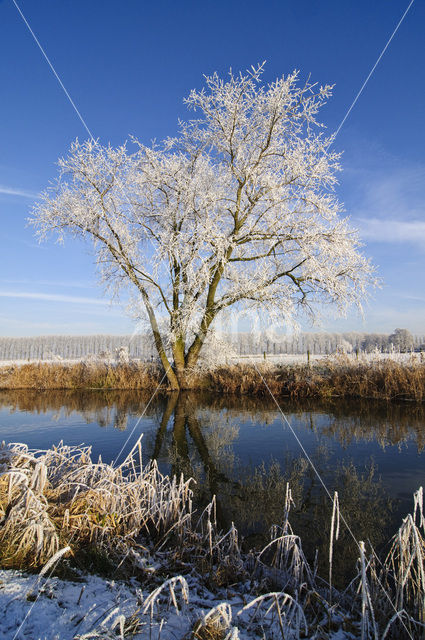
236 211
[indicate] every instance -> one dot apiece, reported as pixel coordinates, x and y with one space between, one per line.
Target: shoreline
334 377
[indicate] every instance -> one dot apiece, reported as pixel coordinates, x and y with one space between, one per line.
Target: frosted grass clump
58 497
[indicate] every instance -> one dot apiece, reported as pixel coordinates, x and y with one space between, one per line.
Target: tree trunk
179 362
172 377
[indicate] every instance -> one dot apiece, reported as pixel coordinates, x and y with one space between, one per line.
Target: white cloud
390 230
21 193
53 283
385 186
52 297
387 204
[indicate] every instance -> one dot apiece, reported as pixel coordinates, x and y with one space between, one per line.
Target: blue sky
127 66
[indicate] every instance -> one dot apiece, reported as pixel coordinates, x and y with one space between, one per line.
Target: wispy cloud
21 193
52 297
390 230
413 298
387 317
387 204
50 283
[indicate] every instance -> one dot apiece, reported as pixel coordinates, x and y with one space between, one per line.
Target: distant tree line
401 340
74 347
142 347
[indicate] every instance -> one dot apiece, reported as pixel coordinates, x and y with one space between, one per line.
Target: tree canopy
237 211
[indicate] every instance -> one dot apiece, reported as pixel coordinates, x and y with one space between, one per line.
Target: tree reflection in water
253 498
197 434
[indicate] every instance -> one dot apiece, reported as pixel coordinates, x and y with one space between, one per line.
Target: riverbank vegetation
339 376
60 510
80 375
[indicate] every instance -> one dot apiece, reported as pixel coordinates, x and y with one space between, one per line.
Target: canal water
244 451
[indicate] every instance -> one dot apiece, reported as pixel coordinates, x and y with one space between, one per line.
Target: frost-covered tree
236 211
402 340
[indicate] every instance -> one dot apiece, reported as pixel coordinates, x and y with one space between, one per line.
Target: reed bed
57 501
81 375
338 376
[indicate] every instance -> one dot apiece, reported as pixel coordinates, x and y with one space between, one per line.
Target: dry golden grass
340 376
209 630
83 375
389 379
59 497
343 377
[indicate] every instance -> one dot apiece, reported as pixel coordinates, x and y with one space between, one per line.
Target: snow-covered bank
97 608
52 608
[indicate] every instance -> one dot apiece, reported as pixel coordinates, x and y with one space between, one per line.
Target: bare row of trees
401 340
142 346
73 347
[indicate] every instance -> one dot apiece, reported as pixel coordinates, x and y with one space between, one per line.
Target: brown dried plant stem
335 377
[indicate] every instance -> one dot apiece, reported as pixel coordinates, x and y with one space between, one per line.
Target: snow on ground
93 607
18 362
278 358
47 609
55 609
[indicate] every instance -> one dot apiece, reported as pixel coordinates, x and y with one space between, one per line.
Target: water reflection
387 423
239 450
